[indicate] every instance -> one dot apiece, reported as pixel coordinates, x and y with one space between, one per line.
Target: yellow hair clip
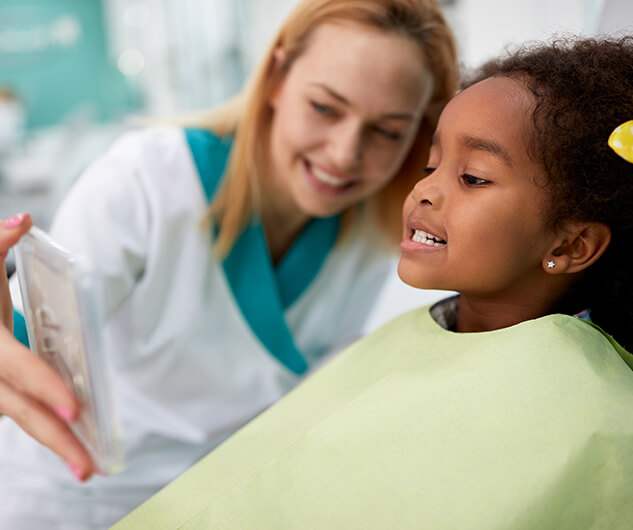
621 141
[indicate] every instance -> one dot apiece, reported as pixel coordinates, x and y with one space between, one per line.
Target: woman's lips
326 181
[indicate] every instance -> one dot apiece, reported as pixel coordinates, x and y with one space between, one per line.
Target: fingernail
14 221
64 413
76 471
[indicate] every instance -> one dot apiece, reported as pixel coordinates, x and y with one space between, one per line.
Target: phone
60 295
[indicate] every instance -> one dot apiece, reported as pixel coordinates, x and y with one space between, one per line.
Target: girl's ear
276 73
580 246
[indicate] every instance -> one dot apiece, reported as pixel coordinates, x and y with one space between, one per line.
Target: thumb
11 230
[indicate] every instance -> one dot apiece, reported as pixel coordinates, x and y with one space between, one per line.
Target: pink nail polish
76 471
64 413
14 221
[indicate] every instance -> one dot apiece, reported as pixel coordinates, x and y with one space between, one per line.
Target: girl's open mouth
426 238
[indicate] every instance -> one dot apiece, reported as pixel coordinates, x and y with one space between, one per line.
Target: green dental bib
418 427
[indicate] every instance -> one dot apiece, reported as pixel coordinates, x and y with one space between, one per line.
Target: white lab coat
187 368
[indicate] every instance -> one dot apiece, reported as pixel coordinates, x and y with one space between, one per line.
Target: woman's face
344 117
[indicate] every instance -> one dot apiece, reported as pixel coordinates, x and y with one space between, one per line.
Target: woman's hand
31 392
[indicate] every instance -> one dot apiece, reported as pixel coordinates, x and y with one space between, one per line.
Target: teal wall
53 55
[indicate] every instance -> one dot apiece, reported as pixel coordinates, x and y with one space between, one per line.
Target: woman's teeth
328 179
420 236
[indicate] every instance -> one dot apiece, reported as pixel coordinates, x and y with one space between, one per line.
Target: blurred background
75 73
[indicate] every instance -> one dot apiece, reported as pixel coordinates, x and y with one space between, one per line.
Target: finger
11 230
48 429
6 306
27 374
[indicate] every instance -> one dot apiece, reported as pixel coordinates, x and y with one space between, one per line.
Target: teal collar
262 291
19 328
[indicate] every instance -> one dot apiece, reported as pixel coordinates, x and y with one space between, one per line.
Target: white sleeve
105 219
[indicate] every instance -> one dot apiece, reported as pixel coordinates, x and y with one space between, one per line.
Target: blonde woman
233 254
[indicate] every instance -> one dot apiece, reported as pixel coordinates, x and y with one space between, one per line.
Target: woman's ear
580 245
276 74
279 59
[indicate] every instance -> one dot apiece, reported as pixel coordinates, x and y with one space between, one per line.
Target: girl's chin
412 275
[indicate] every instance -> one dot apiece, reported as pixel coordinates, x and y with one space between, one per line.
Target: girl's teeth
420 236
326 178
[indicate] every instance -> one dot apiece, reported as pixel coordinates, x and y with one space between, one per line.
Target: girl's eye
390 135
428 170
471 180
322 109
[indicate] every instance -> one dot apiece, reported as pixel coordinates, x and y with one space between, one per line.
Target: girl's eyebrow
344 101
486 145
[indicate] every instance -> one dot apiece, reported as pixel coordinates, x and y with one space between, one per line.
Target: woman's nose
346 145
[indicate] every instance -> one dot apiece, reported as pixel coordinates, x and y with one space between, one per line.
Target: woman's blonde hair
248 115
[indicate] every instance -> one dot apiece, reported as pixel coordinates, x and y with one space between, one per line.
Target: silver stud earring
551 264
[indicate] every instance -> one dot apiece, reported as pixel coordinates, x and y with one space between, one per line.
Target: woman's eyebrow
344 101
331 92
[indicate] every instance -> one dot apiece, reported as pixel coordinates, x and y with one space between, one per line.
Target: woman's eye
471 180
428 170
389 134
322 109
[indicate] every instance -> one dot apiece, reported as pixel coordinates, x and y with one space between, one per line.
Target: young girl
505 407
207 326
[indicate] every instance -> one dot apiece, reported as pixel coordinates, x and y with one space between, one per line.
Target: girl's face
344 117
475 224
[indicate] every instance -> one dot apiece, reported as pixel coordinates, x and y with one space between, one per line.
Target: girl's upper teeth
327 178
420 236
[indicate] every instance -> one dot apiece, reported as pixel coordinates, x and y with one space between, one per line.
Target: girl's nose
428 191
346 145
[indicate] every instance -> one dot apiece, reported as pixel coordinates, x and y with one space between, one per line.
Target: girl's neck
478 313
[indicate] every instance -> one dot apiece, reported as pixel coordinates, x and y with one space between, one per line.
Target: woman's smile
328 181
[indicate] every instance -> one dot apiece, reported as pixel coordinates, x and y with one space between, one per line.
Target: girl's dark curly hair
583 89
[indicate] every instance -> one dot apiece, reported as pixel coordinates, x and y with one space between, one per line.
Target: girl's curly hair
583 89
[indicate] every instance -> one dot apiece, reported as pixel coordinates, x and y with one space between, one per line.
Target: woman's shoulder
147 142
205 137
145 156
146 172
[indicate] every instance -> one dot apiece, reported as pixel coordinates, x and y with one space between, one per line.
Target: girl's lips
421 239
416 227
326 182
